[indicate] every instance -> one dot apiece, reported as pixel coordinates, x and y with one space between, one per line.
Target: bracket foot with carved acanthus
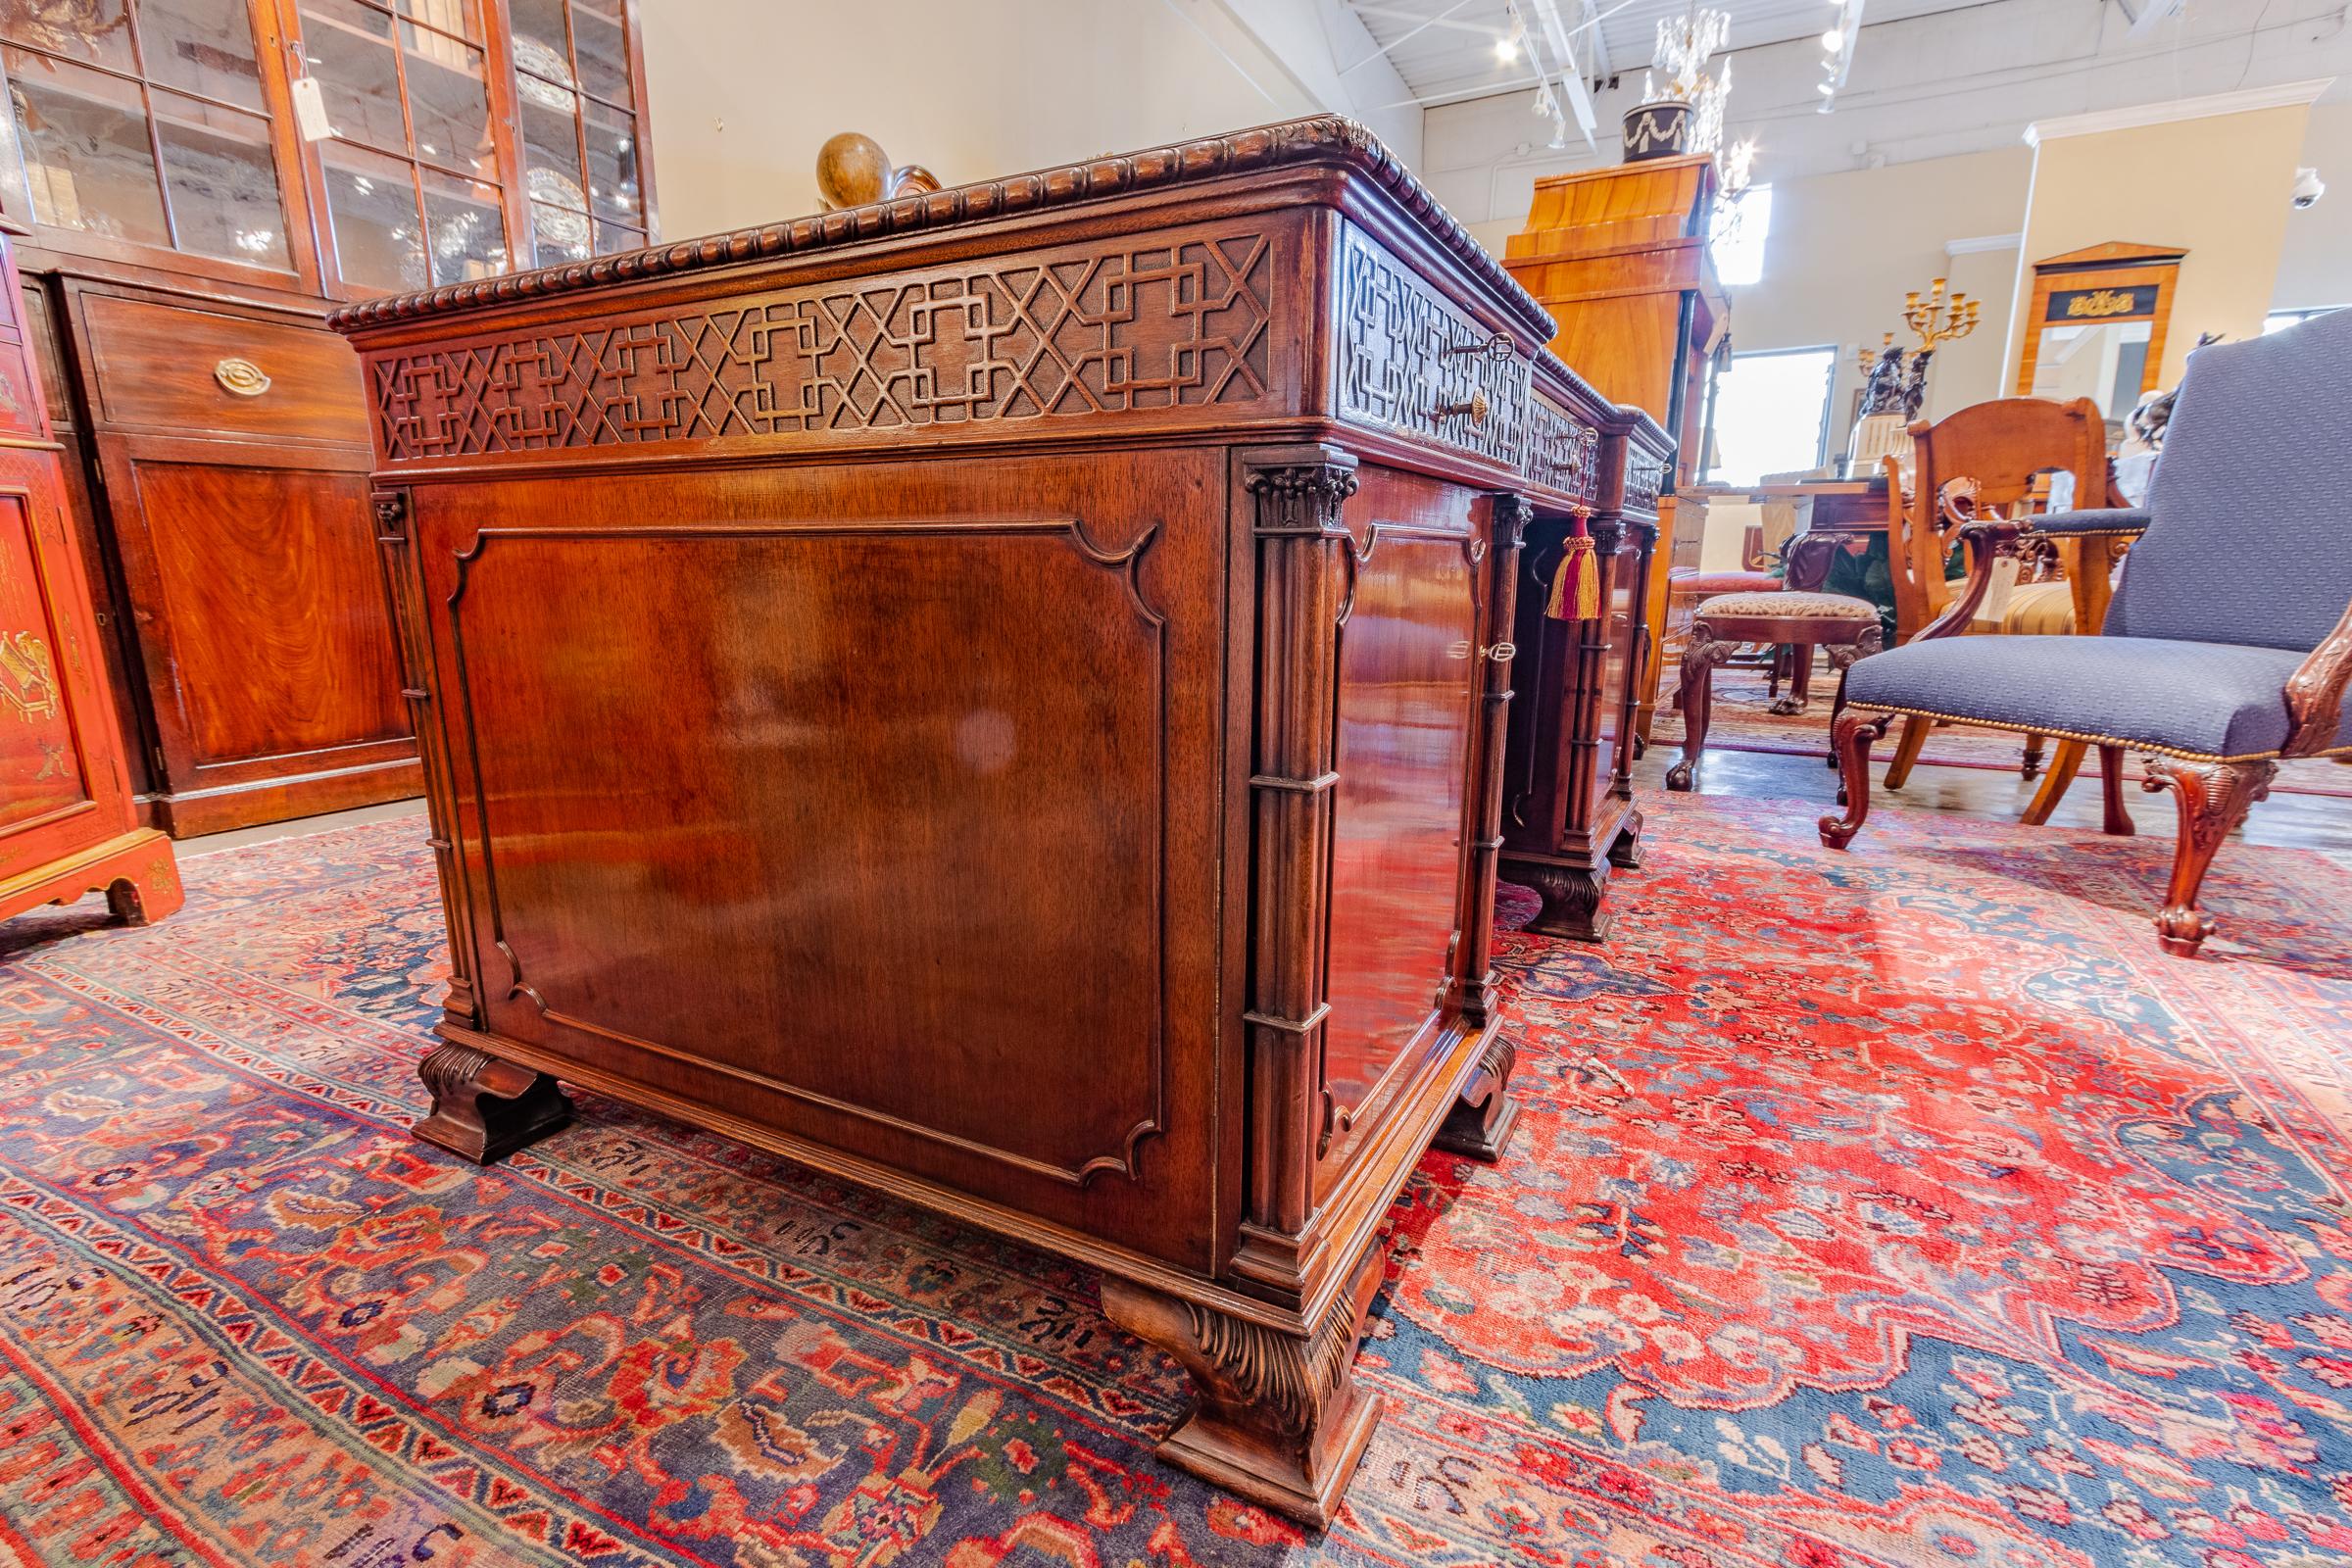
1625 851
1281 1419
486 1108
1572 897
1481 1120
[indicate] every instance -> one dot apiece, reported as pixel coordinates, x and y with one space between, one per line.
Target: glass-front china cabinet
202 181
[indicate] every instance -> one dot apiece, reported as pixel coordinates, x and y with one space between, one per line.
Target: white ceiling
1445 48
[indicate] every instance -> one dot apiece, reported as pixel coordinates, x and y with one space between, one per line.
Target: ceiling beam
1444 19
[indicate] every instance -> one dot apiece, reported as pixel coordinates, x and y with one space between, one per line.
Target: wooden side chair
2227 648
1998 454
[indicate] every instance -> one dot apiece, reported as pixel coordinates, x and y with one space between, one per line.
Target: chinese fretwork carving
1043 335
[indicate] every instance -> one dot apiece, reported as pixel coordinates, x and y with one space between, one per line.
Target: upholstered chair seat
2204 700
1789 607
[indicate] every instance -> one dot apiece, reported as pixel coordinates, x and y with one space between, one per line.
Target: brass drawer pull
1476 407
240 379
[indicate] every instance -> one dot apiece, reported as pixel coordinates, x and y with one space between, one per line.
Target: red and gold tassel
1576 586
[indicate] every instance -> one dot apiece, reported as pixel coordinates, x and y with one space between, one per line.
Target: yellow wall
2216 186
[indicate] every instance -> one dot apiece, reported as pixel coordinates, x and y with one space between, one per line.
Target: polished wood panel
1000 695
177 368
268 611
68 822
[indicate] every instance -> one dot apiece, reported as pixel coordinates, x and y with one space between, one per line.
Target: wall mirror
2098 318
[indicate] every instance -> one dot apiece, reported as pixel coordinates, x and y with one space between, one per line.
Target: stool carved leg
1853 736
1800 682
1841 658
2213 797
1281 1417
1700 656
485 1107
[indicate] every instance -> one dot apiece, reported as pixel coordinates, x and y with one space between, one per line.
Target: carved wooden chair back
1996 455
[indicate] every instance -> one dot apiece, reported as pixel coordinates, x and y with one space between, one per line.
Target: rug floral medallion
1900 1207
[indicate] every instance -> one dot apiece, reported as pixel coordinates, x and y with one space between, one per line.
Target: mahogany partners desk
1000 695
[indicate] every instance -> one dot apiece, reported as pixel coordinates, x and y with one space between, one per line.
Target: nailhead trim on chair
2149 747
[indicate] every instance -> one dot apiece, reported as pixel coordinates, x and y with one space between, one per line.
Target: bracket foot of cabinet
1573 898
485 1107
136 872
1481 1123
1626 853
1281 1418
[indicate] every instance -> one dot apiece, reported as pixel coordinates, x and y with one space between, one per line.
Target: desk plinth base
484 1107
1282 1419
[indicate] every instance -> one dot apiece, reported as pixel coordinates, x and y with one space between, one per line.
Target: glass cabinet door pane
551 138
205 46
448 105
348 49
97 30
602 50
224 181
379 241
469 231
561 236
538 27
463 17
612 238
612 164
87 153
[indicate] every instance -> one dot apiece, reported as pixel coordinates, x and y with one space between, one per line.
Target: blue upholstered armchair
2228 645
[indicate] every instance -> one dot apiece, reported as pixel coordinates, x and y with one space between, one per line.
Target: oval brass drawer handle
240 379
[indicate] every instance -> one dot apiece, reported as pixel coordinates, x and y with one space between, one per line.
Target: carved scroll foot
1282 1419
1481 1122
2213 797
1572 898
485 1108
1852 738
1624 853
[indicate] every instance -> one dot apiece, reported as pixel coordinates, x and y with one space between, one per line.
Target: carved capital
391 513
1513 514
1303 497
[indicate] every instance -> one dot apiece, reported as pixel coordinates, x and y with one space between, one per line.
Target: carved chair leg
1907 750
1696 697
1800 681
1853 737
1281 1419
2213 800
2065 763
1481 1120
2111 793
484 1107
2030 766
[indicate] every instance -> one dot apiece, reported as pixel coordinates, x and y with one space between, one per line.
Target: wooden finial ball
852 171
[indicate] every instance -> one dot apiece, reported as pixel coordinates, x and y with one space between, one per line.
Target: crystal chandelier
1685 45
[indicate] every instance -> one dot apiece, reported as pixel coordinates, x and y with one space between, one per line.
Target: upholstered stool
1848 628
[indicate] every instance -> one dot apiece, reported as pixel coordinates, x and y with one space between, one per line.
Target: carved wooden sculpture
1000 695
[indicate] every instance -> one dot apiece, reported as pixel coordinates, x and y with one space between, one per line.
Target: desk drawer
202 371
1412 361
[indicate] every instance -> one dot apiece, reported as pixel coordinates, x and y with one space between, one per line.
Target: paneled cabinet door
262 625
66 820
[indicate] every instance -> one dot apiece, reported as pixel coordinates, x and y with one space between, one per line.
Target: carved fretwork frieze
1039 336
1562 451
1645 482
1412 363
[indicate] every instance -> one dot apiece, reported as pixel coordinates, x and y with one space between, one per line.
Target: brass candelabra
1937 319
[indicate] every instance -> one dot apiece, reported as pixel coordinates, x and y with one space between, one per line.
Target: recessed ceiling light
1506 50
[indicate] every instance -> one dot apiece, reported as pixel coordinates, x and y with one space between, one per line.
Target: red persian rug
1740 718
1900 1207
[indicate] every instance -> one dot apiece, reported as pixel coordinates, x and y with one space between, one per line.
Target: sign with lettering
2100 304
